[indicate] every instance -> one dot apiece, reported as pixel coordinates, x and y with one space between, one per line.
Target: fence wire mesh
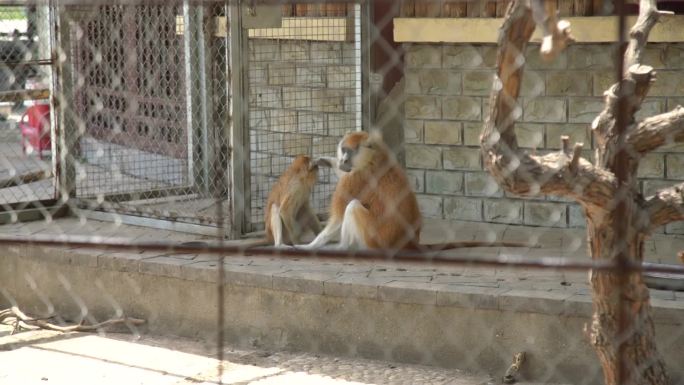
144 154
25 58
146 78
305 93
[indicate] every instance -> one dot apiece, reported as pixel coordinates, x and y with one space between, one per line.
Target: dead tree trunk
618 218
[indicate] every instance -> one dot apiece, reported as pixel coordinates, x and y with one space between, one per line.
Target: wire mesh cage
133 107
472 161
144 140
304 94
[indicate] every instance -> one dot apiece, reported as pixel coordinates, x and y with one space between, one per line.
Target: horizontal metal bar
21 95
433 258
33 214
40 204
165 2
16 3
137 196
26 63
297 28
585 29
29 177
139 220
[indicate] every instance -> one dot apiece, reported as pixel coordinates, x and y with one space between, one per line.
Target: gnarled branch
563 173
648 17
20 319
666 206
568 175
633 88
657 131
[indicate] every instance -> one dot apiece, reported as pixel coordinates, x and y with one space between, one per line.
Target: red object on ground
35 128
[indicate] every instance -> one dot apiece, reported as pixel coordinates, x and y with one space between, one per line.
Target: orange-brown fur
379 183
373 205
291 195
381 186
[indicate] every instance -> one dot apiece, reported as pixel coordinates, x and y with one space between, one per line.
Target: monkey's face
354 151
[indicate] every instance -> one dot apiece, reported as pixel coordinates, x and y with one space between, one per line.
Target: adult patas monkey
373 205
288 214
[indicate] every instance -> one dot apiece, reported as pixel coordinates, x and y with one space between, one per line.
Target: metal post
367 34
198 97
238 51
66 131
212 138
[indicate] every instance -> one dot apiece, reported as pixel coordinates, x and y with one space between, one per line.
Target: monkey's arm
332 162
330 231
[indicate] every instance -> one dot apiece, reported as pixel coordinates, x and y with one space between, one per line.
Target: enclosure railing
186 113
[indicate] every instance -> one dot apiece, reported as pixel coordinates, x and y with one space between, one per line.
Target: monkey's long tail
257 242
468 244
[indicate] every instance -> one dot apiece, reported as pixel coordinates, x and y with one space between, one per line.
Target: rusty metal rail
435 258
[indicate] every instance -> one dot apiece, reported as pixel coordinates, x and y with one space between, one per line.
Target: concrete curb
404 313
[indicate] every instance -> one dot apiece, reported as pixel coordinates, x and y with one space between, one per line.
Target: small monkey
288 214
373 206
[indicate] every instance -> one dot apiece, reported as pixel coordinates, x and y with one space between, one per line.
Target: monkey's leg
308 219
355 226
292 229
276 225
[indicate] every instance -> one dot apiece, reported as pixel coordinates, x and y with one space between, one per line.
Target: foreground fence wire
140 142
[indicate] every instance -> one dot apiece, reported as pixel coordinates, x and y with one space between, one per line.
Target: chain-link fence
148 90
469 162
304 94
25 81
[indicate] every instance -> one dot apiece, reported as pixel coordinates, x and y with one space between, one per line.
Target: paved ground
52 358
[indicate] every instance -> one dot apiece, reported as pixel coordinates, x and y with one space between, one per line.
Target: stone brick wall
302 101
447 89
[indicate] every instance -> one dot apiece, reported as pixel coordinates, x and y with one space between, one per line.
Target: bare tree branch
558 173
648 17
563 173
633 88
19 318
657 131
666 206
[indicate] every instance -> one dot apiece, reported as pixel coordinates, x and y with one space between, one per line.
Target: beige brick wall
447 91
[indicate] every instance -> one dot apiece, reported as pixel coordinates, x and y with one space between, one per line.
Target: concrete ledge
594 29
460 317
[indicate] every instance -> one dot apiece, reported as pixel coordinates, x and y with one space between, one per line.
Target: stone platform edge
321 282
